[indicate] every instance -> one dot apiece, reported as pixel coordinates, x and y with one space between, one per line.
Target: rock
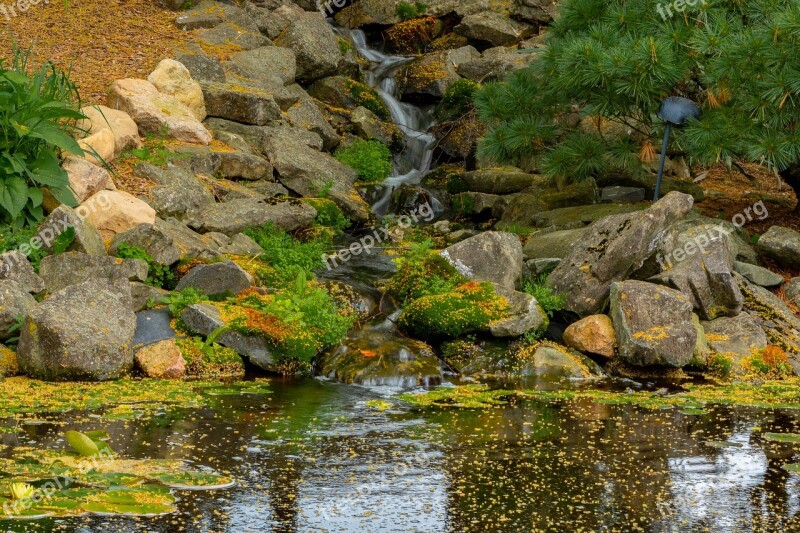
247 105
14 266
613 249
653 324
81 333
307 115
737 336
308 172
553 244
232 36
85 178
99 148
204 319
87 238
778 321
202 67
152 240
792 292
216 279
237 216
559 362
368 126
124 212
208 14
476 204
524 315
178 194
142 295
9 366
539 12
71 268
173 78
344 93
429 77
155 112
162 360
233 165
383 360
705 277
493 28
702 351
617 194
490 256
539 267
15 302
190 243
593 335
781 245
153 325
500 181
407 198
122 126
312 40
545 207
241 244
270 65
495 64
758 275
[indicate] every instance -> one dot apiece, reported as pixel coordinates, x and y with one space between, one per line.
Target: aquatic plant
422 272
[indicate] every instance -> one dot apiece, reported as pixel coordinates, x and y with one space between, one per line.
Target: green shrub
720 365
38 121
158 275
366 96
459 98
21 239
372 160
544 294
178 301
422 272
288 255
329 215
468 308
407 11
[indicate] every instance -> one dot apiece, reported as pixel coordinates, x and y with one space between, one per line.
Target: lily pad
693 411
82 444
787 438
792 467
723 444
192 480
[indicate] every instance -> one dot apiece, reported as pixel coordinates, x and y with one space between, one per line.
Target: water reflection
315 456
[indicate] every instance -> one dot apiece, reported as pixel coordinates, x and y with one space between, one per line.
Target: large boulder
216 279
70 268
490 256
653 324
758 275
82 333
308 172
270 65
15 302
85 178
231 35
190 243
525 315
173 78
123 212
155 112
538 12
312 40
209 14
593 335
553 244
613 249
551 361
781 245
235 216
307 115
152 240
177 193
500 181
248 105
494 28
202 67
705 277
738 337
778 321
429 77
495 64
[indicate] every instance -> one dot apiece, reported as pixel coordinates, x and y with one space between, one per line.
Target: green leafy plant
366 96
154 150
422 272
176 302
459 99
288 255
407 11
550 301
372 160
329 215
39 112
158 275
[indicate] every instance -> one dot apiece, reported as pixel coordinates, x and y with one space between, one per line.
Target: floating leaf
693 411
82 444
792 467
191 480
790 438
722 444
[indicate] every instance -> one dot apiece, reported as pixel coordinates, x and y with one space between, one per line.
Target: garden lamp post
674 111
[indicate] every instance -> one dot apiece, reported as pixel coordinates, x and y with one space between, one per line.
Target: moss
422 272
412 36
468 308
204 361
367 96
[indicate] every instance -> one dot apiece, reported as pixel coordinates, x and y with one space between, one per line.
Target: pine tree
610 63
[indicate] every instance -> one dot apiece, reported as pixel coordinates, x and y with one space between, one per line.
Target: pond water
321 456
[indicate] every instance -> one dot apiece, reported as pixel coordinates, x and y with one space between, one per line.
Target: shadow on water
319 456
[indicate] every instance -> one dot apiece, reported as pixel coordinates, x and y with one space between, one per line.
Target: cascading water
414 161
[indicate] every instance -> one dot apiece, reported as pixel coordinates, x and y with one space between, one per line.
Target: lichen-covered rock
87 238
653 324
9 366
613 249
82 333
345 93
155 112
152 240
71 268
475 204
248 105
538 12
177 194
307 115
232 36
546 360
236 216
758 275
554 244
490 256
270 65
792 292
429 77
738 336
161 360
494 28
173 78
226 278
525 315
593 335
202 67
14 266
778 321
190 243
15 302
500 181
495 64
312 40
782 245
208 14
381 360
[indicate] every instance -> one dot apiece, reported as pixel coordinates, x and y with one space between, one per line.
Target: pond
319 456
